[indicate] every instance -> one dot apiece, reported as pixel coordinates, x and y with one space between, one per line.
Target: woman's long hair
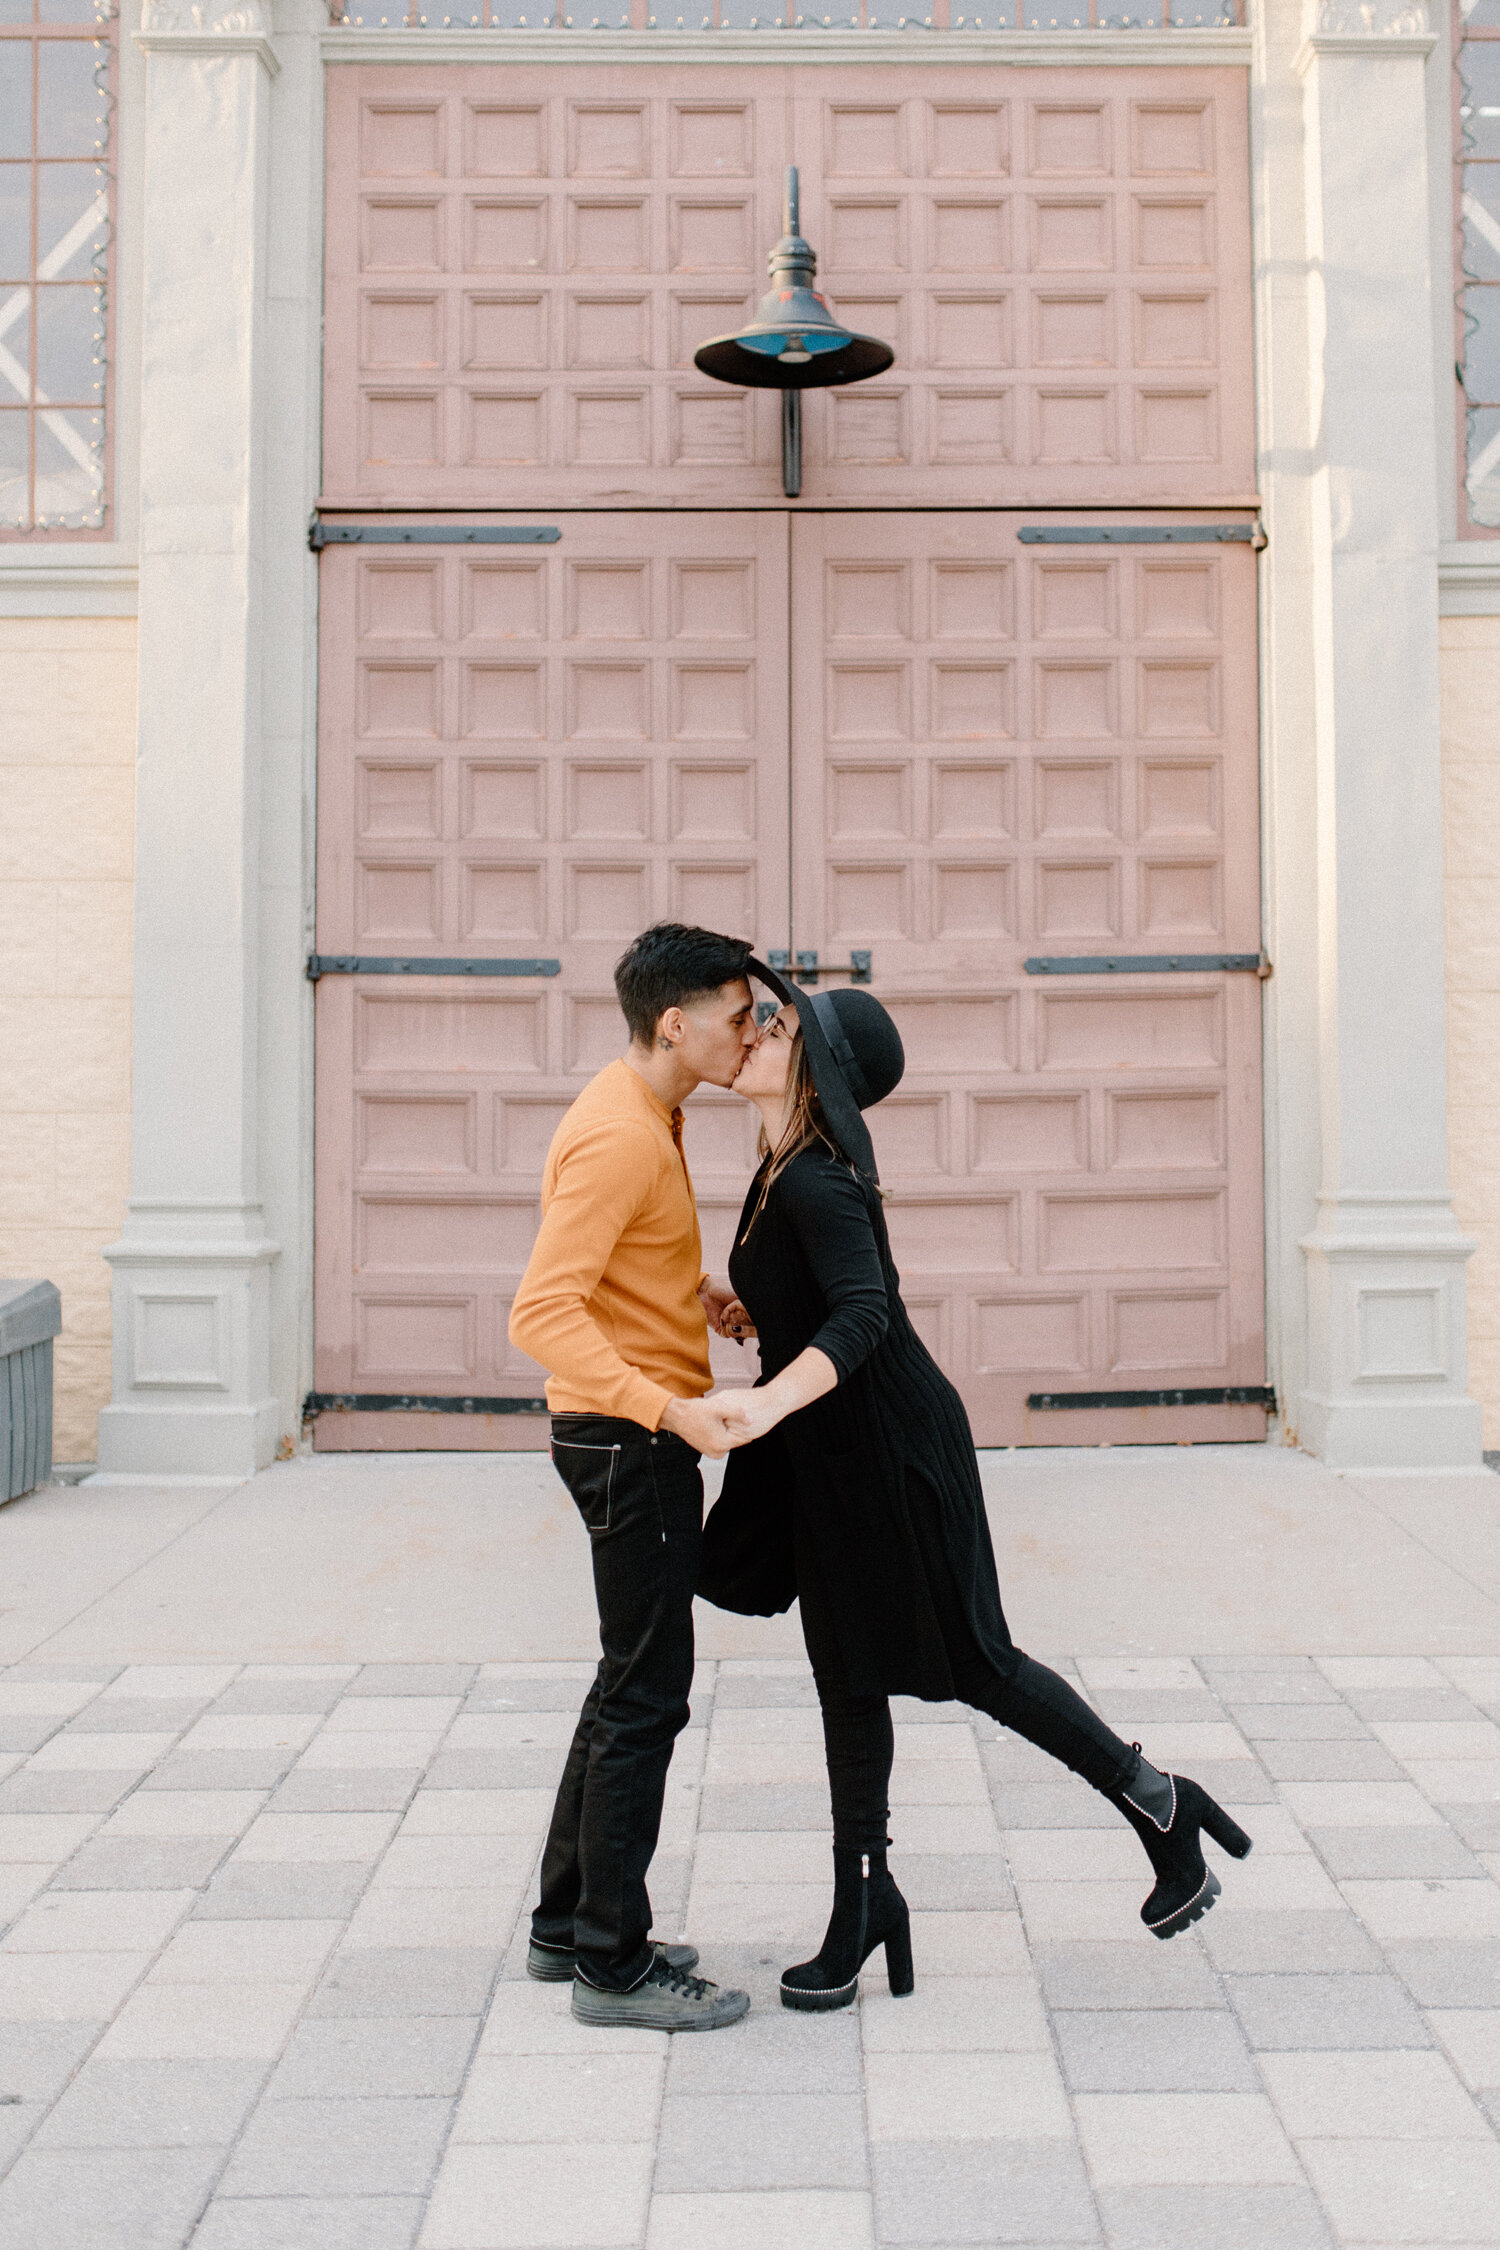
803 1126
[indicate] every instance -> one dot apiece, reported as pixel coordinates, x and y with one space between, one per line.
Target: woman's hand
811 1375
722 1309
748 1414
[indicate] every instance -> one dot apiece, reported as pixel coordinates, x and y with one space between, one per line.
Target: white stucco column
1385 1261
192 1389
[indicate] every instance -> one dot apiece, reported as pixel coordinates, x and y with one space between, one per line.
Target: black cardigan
887 1508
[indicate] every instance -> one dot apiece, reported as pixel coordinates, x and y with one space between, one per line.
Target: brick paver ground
261 1981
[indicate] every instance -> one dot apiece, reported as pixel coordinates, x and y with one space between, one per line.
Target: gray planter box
30 1316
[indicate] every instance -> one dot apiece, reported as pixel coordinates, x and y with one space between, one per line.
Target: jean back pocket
588 1471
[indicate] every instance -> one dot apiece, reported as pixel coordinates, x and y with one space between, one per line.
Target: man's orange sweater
609 1300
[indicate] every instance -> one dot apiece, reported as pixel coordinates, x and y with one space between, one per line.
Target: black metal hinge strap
1141 964
390 1402
322 534
395 965
1233 1394
808 969
1141 535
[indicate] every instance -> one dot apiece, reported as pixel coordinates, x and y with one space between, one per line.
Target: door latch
808 969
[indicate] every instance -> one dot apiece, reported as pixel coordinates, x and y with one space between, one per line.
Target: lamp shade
794 343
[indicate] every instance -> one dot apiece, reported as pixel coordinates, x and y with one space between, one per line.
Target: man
615 1304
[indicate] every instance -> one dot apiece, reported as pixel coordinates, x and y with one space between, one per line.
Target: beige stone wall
1471 821
67 801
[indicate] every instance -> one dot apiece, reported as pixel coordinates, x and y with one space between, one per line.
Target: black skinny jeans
641 1497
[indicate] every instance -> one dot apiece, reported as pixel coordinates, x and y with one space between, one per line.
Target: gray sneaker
553 1964
666 1999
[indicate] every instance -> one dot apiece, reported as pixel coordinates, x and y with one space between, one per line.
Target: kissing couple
852 1485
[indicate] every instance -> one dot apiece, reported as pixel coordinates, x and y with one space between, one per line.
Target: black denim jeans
641 1497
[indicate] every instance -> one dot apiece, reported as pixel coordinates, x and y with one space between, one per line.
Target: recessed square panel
609 140
1074 600
1175 600
710 236
967 139
399 800
866 235
868 601
400 331
505 141
608 601
1112 1030
610 331
712 702
1072 232
910 1133
1073 330
1167 1331
593 1030
970 234
1070 137
1173 231
505 234
505 429
970 331
713 140
505 601
1077 797
929 1317
477 1031
864 142
610 427
414 1336
869 315
868 702
971 702
868 800
398 903
1179 699
1031 1336
1165 1132
1171 137
711 892
975 799
938 1236
509 331
1075 702
401 235
958 1034
408 1235
1179 796
502 905
712 802
712 426
976 900
612 800
1115 1233
400 699
867 902
868 427
971 601
400 601
1178 425
400 139
607 901
1176 330
1075 425
421 1133
1028 1132
697 316
402 429
504 699
502 799
609 700
608 234
1077 898
971 426
523 1134
712 601
1180 899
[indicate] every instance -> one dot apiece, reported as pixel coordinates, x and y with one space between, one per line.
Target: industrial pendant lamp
794 343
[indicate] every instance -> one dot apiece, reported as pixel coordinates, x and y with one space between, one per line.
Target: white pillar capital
196 27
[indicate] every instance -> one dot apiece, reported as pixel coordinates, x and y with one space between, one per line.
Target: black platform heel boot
1168 1813
868 1910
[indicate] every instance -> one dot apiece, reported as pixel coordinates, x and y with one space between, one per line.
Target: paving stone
773 2051
407 1981
942 1882
751 1806
84 1675
1420 2193
31 1791
105 2199
198 2104
1299 1722
413 1679
959 2097
220 1769
1428 1705
98 1921
1050 1804
1212 2218
983 2192
217 2022
66 1987
284 1890
742 1691
1124 1708
1328 1761
1271 1940
1314 2010
969 2015
148 1714
38 2059
1151 2050
779 2219
369 2146
367 2222
496 1769
1289 1679
27 1731
1350 1853
1450 1972
711 2141
249 1952
1234 1781
143 1863
479 1812
360 2055
247 1697
352 1789
186 1812
1390 2095
1478 1825
539 2099
1160 2140
493 2197
1126 1973
540 1694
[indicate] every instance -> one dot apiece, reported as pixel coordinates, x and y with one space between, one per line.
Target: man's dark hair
670 965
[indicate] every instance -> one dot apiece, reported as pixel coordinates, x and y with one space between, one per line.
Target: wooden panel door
1003 751
524 751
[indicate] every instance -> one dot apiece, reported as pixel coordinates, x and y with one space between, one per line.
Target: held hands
722 1309
748 1414
702 1424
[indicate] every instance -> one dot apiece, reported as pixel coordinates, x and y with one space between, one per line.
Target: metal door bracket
1141 535
1233 1394
320 534
390 1402
392 965
1142 964
808 969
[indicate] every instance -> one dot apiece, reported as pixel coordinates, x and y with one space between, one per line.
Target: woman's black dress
894 1566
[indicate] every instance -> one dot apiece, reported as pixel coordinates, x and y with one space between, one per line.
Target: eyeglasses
775 1029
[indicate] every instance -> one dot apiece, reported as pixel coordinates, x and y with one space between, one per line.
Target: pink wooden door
1003 752
524 752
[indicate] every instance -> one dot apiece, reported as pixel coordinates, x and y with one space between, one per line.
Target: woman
889 1549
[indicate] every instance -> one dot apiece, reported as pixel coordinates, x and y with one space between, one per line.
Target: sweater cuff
645 1402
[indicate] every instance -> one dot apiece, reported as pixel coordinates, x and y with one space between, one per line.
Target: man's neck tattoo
665 1046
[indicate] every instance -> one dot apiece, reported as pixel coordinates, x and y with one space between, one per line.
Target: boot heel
900 1974
1226 1833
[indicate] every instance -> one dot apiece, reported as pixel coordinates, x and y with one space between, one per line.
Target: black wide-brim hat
854 1053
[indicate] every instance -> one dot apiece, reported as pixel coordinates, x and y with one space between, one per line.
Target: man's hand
722 1309
701 1423
748 1414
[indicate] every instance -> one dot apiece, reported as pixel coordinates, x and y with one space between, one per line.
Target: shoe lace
678 1981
